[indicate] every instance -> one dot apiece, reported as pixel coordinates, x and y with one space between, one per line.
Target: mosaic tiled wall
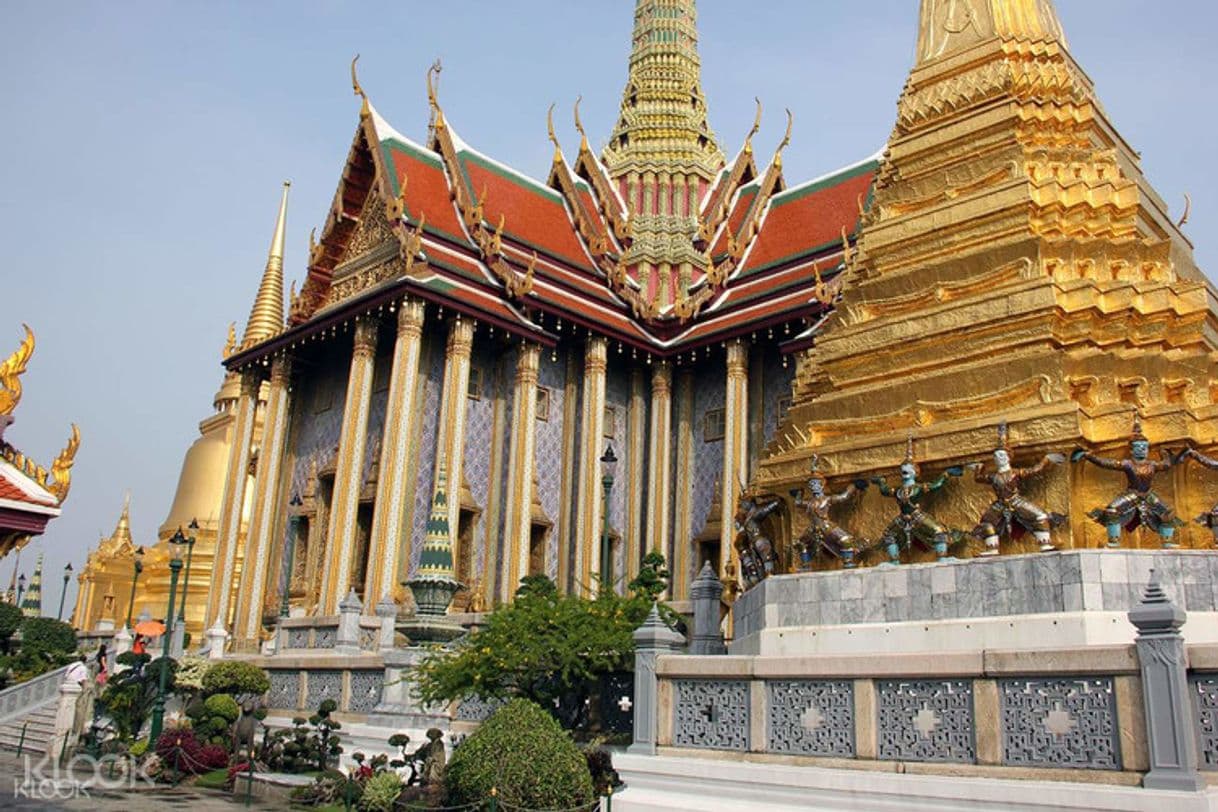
776 381
548 453
617 399
710 385
499 479
486 370
432 363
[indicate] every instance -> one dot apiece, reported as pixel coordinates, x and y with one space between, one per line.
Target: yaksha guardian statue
1011 513
823 533
912 523
1138 504
757 558
1209 519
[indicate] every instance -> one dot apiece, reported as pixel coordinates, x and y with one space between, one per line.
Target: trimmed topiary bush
525 754
48 634
236 678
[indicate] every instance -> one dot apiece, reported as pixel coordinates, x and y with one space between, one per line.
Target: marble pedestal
399 706
1048 600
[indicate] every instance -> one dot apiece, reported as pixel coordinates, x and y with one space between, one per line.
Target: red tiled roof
426 187
15 486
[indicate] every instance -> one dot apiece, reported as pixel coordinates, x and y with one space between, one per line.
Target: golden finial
434 71
61 469
230 344
11 371
756 128
266 315
315 249
364 110
553 137
579 125
821 290
786 139
845 245
1188 209
395 208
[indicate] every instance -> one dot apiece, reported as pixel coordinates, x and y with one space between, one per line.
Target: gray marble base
1061 582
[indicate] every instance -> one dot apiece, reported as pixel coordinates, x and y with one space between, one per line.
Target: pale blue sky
143 145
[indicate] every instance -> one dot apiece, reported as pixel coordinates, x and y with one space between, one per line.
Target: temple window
543 404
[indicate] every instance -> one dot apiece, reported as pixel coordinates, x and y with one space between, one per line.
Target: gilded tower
1013 263
662 155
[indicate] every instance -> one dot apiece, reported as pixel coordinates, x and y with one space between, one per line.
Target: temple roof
20 492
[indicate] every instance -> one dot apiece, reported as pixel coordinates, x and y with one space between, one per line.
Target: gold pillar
683 532
450 440
591 501
636 438
735 445
232 503
568 523
517 526
659 491
263 523
390 536
349 470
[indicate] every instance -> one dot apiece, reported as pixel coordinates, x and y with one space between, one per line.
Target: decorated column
521 464
592 430
635 531
262 525
232 503
735 445
401 423
349 472
450 442
659 491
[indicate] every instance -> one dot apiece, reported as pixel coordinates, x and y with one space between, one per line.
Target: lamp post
20 588
175 566
138 567
193 527
67 576
608 461
293 525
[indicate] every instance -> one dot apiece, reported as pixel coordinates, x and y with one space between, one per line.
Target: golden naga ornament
11 371
61 469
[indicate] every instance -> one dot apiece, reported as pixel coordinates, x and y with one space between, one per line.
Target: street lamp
138 568
20 588
67 576
193 527
176 543
293 525
608 461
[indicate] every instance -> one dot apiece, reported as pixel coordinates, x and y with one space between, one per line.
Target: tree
10 619
242 680
543 647
129 694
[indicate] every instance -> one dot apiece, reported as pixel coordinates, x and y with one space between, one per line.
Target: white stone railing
21 699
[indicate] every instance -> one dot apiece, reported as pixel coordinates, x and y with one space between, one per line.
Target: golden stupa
1014 264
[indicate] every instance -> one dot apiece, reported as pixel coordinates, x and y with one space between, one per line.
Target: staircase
31 705
39 725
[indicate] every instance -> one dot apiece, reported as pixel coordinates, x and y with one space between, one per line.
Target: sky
143 145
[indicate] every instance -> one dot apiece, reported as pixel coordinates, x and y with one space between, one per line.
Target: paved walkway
44 791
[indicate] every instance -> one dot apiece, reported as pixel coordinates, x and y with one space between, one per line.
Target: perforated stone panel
325 636
323 685
474 709
298 638
711 714
285 690
1060 723
810 717
365 690
1205 706
926 720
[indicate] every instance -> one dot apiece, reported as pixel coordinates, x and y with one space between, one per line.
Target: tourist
78 672
103 671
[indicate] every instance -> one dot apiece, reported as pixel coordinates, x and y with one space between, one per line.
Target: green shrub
236 678
47 634
524 753
10 619
190 672
381 791
138 749
222 705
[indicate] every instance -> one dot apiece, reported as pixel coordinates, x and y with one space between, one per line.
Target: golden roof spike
579 126
432 100
786 139
1188 209
364 110
11 370
230 343
61 469
756 128
266 316
553 137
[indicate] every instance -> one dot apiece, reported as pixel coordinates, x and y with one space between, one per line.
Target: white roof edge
873 157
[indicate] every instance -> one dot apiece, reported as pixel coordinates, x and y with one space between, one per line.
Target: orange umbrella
150 628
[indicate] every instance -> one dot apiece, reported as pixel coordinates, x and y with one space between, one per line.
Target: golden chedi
1013 263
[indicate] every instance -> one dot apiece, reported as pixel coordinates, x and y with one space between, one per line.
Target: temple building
30 495
470 343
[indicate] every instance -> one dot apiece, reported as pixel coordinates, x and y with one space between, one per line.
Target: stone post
177 642
217 637
122 641
65 718
387 611
651 639
705 593
346 642
1169 723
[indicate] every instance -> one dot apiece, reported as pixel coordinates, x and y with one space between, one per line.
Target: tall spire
663 126
31 604
122 530
949 26
266 316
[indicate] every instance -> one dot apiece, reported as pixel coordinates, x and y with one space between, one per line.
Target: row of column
401 425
